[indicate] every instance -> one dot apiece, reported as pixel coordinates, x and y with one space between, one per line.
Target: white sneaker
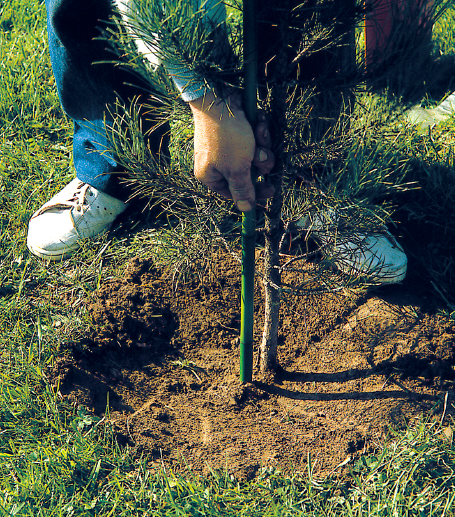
425 117
376 256
77 212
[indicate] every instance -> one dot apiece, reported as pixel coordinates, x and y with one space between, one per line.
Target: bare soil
166 361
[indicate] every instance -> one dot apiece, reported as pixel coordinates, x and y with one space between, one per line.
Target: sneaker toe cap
52 235
379 258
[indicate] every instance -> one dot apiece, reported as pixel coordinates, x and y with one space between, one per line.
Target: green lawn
59 460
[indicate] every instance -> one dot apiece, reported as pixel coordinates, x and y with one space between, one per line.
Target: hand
225 148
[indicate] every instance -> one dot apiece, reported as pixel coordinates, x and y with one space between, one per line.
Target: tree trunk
273 226
272 279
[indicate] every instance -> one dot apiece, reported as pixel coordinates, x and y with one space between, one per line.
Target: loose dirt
166 361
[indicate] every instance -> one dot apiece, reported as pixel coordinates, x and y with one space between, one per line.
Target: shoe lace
78 200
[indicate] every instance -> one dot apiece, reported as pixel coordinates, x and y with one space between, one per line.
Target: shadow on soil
166 363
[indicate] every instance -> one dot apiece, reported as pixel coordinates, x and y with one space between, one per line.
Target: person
225 147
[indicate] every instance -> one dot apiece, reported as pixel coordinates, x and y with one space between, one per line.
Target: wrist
211 103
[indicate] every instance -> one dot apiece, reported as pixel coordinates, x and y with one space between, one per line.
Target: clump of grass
189 366
58 461
443 37
428 213
413 474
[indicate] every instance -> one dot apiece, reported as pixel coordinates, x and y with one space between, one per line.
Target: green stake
248 218
247 306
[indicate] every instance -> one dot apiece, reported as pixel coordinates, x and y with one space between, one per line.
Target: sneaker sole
52 255
385 276
391 277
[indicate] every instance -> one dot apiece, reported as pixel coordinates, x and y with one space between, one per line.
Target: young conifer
326 154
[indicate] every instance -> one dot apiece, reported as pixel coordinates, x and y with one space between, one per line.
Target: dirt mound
167 361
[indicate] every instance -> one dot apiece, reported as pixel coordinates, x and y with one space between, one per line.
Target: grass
59 460
443 35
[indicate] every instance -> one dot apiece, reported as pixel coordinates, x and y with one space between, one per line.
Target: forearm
190 86
212 14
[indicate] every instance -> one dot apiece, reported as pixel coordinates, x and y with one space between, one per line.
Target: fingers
224 154
264 160
262 132
262 135
237 185
241 191
219 186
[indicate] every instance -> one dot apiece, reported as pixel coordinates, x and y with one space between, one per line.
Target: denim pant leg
86 87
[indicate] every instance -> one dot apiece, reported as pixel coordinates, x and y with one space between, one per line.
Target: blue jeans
86 87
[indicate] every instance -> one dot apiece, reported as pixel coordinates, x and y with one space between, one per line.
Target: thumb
242 190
